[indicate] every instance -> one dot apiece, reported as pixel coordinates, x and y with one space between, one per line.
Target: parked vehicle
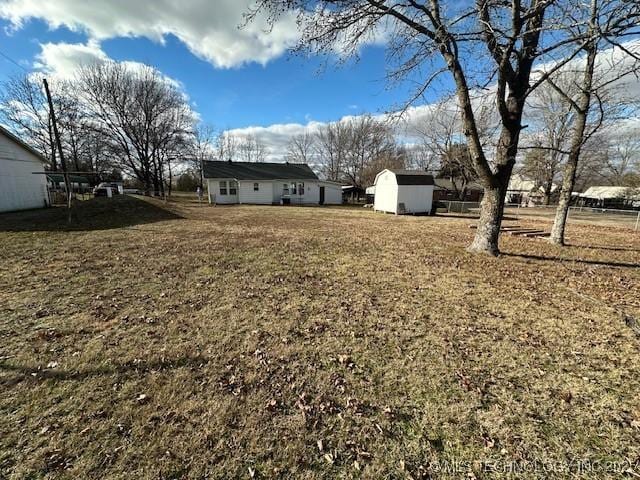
100 190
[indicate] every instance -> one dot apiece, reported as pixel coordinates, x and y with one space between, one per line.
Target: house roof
413 177
258 171
519 183
447 184
605 192
22 143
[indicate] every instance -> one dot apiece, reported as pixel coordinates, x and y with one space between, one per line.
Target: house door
321 195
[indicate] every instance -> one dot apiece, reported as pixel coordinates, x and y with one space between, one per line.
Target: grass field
166 341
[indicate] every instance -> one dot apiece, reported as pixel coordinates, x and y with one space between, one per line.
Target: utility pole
52 113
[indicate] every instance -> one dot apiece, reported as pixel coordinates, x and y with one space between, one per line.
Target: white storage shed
403 191
20 187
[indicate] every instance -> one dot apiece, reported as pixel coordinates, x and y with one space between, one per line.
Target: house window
256 187
285 189
233 187
293 189
301 189
223 187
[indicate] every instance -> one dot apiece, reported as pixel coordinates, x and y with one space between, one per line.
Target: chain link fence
608 216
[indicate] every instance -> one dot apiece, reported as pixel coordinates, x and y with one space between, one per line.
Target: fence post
637 222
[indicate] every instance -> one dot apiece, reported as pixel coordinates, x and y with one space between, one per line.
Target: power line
7 57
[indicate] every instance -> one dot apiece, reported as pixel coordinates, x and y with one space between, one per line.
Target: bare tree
504 37
368 140
250 149
332 144
226 146
396 158
622 157
200 148
139 114
551 119
442 136
24 109
300 148
420 156
604 22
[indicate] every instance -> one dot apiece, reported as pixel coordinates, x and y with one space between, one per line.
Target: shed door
321 195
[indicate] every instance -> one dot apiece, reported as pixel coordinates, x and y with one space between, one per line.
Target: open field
183 341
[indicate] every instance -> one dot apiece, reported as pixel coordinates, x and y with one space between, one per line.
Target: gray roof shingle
259 171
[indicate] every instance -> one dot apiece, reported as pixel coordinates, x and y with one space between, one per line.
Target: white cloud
277 137
60 61
63 59
627 89
209 29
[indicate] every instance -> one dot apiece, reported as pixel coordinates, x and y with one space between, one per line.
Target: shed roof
413 177
259 171
22 143
59 177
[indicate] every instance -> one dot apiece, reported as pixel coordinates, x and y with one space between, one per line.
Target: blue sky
286 89
243 80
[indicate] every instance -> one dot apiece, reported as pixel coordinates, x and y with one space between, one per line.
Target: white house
526 192
403 191
268 184
20 188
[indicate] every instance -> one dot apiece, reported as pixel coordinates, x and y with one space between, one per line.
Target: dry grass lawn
175 341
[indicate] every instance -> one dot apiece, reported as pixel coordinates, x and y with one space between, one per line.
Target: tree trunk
495 189
564 202
568 182
488 232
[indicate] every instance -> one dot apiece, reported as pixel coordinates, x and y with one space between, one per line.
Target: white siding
311 192
20 189
332 193
386 199
213 189
416 198
270 192
264 195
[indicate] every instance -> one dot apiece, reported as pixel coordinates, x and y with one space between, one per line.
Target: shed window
223 187
285 189
293 189
233 187
301 189
256 187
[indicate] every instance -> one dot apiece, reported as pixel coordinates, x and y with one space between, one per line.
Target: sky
238 79
235 78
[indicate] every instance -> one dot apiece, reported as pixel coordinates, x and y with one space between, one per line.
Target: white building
526 192
20 187
268 184
403 191
610 197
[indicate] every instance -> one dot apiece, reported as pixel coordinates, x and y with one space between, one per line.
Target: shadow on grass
604 263
604 247
95 214
129 369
